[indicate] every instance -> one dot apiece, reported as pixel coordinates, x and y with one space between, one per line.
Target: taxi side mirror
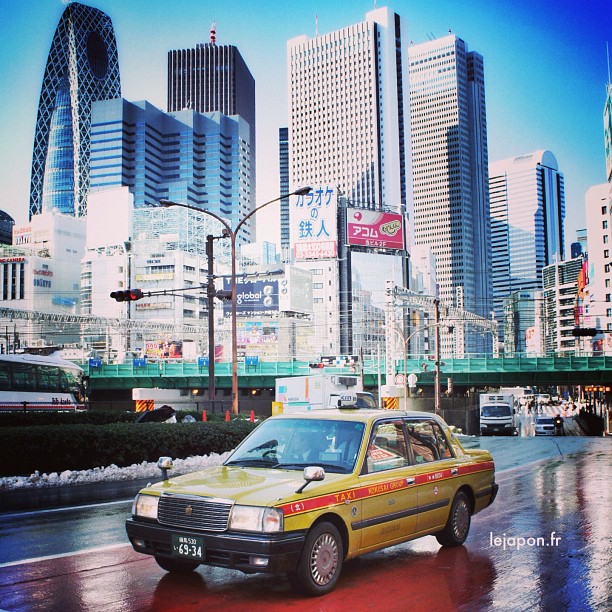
312 473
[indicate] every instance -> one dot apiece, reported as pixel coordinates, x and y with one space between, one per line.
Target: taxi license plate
188 547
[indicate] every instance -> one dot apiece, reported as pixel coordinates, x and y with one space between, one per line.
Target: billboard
250 333
375 229
295 291
313 224
253 297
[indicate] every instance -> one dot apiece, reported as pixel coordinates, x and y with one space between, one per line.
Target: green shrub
83 447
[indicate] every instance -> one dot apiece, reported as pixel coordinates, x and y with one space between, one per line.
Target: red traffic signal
129 295
317 365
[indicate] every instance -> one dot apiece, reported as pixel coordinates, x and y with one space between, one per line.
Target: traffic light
584 331
224 296
316 366
129 295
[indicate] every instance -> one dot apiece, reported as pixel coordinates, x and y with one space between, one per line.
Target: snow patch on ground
108 474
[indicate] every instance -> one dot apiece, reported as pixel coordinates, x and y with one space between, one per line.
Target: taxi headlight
253 518
145 506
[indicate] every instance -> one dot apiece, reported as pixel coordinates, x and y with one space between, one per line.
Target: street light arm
232 233
300 191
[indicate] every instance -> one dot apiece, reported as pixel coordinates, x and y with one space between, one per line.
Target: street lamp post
232 233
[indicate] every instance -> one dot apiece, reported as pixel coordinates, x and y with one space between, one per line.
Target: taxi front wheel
319 566
458 525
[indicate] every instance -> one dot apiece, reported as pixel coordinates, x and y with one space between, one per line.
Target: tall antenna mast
316 25
213 32
608 54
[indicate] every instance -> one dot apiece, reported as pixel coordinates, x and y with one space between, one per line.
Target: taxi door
387 490
436 473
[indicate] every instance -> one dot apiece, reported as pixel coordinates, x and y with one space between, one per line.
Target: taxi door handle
454 471
410 481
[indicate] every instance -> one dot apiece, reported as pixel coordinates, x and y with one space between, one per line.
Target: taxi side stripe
381 488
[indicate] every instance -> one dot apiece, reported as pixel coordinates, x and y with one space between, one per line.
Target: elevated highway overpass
468 372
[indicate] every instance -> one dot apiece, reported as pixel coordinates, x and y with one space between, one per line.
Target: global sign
253 297
375 229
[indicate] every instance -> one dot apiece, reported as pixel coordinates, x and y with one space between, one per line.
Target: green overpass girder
471 372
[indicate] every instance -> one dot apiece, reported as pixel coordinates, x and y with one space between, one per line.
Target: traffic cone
227 415
252 416
204 415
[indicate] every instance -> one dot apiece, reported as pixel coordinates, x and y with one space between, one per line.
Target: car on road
544 426
305 492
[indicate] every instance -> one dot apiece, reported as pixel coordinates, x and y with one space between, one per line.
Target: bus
40 383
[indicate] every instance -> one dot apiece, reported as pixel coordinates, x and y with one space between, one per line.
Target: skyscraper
348 139
348 117
82 67
527 214
212 78
450 161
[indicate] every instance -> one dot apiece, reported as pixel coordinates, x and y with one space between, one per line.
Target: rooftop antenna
213 32
608 54
316 25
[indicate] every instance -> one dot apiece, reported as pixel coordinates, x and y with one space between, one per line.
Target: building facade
598 291
522 323
214 78
450 169
40 273
527 202
82 67
283 163
560 304
202 160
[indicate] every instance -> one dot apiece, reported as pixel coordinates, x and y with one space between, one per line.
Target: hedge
83 447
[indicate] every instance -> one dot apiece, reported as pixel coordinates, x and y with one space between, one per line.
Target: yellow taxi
304 492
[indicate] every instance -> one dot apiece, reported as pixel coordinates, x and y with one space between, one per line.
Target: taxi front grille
190 512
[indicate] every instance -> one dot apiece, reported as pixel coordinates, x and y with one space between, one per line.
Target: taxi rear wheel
319 566
458 525
175 566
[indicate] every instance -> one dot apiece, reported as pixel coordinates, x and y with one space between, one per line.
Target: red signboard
375 229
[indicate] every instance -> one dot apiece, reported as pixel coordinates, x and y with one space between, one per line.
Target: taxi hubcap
462 516
324 559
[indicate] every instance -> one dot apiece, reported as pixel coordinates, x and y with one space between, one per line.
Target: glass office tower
200 159
527 215
450 167
82 67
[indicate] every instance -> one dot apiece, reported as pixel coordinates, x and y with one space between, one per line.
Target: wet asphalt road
545 544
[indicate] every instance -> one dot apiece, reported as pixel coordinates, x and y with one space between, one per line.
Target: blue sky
545 70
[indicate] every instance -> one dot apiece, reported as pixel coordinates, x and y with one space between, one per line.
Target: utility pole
437 381
210 293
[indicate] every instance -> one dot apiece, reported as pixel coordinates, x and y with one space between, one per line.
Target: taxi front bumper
271 553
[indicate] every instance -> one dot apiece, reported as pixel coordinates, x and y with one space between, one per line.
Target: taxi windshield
295 443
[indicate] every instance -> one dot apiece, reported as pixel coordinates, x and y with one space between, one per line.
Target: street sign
412 380
400 379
